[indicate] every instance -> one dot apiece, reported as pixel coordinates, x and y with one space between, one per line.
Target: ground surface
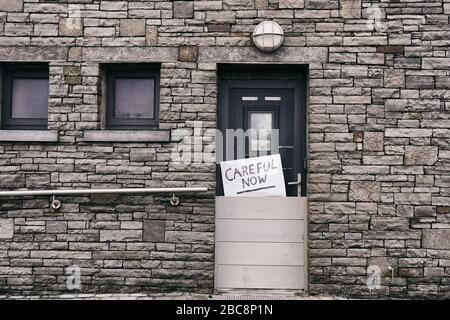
171 296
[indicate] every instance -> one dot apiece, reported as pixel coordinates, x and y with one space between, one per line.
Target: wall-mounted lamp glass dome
268 36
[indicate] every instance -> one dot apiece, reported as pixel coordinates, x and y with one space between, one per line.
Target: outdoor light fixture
268 36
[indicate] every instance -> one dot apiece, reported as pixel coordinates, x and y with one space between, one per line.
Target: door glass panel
262 125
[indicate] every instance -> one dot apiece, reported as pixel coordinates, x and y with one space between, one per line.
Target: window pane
135 98
30 99
262 123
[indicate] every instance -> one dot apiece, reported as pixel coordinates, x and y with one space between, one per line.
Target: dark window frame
114 72
20 71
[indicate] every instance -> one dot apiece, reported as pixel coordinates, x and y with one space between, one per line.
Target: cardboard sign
253 177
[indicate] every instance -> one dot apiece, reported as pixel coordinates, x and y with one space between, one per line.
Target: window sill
28 136
127 136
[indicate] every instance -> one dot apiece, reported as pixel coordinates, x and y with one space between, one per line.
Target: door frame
229 76
256 76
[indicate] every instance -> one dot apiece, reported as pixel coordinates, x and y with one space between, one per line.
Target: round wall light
268 36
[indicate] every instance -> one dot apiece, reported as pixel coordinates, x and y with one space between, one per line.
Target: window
132 97
25 90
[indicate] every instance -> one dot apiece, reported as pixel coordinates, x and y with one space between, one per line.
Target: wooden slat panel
259 230
264 254
260 243
260 207
260 277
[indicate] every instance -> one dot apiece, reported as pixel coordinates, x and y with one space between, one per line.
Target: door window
261 124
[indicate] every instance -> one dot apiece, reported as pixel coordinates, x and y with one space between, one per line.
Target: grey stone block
299 4
441 201
100 31
106 198
340 207
373 141
33 54
241 4
133 54
391 49
310 4
38 180
220 17
183 9
436 63
424 211
189 237
56 226
154 230
443 210
365 191
388 160
132 27
436 239
11 5
126 136
412 105
219 28
9 271
389 224
120 235
188 53
394 78
350 9
29 135
6 228
420 82
412 198
247 54
151 36
421 155
12 181
371 58
72 177
349 262
142 154
206 5
71 27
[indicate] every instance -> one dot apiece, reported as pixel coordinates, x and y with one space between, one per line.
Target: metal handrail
56 204
19 193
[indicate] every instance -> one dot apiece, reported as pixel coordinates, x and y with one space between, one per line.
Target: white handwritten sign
253 177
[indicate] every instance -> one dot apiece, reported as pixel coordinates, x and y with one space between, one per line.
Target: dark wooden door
264 105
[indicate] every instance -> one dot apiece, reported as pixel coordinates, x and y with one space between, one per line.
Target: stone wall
379 155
